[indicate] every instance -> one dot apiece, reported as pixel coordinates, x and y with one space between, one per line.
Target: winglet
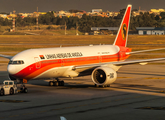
122 35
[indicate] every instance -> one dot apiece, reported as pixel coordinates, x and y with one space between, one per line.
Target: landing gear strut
23 89
56 83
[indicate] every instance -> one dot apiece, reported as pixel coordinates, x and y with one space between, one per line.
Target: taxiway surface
138 93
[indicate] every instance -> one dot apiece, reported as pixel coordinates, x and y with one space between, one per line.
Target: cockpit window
16 62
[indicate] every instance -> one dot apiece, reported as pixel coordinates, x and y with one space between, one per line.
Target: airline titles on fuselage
63 55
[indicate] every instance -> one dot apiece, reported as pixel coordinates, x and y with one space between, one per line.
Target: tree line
86 22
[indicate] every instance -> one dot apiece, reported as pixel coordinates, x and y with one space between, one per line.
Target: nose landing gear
23 89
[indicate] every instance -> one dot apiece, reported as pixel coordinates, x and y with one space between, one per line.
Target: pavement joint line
13 101
42 111
107 101
152 108
118 100
83 105
69 107
27 113
56 109
14 116
95 103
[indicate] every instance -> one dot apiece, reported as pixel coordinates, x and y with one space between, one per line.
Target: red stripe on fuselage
33 71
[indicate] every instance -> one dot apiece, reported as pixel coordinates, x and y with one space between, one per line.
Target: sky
26 6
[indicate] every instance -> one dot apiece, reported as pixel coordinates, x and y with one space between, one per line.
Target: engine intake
104 76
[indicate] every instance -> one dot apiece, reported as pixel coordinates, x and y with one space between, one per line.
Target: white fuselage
58 62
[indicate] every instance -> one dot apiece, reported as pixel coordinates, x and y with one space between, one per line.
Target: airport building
97 30
97 10
151 30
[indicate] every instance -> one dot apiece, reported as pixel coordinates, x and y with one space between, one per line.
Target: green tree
162 14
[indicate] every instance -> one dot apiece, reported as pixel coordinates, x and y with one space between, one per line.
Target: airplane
100 61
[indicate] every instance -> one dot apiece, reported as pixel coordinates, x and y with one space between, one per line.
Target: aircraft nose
11 69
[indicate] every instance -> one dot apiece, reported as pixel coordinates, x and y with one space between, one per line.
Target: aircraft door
37 62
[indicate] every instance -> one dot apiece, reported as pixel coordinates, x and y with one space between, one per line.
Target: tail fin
122 35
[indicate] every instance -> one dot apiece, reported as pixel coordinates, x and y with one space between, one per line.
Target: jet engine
104 76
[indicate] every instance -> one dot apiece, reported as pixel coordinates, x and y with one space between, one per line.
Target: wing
120 63
6 56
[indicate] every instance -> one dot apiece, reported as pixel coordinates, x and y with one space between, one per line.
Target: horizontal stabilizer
138 61
135 52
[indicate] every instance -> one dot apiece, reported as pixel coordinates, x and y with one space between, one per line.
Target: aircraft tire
108 85
56 83
51 83
2 92
96 85
62 83
25 90
21 90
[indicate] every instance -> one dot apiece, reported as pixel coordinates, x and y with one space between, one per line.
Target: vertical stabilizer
122 35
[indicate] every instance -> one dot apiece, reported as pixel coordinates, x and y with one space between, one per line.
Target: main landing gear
56 83
103 86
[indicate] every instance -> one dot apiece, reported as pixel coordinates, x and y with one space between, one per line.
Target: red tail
122 35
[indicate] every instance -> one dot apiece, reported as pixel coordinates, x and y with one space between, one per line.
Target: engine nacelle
104 76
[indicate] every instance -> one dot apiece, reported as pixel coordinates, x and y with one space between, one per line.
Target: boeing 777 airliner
100 61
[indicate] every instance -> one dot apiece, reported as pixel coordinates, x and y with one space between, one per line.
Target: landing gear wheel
56 83
2 92
108 85
25 90
61 83
11 91
21 90
51 83
96 85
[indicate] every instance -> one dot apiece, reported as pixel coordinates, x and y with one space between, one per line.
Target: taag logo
42 56
124 31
